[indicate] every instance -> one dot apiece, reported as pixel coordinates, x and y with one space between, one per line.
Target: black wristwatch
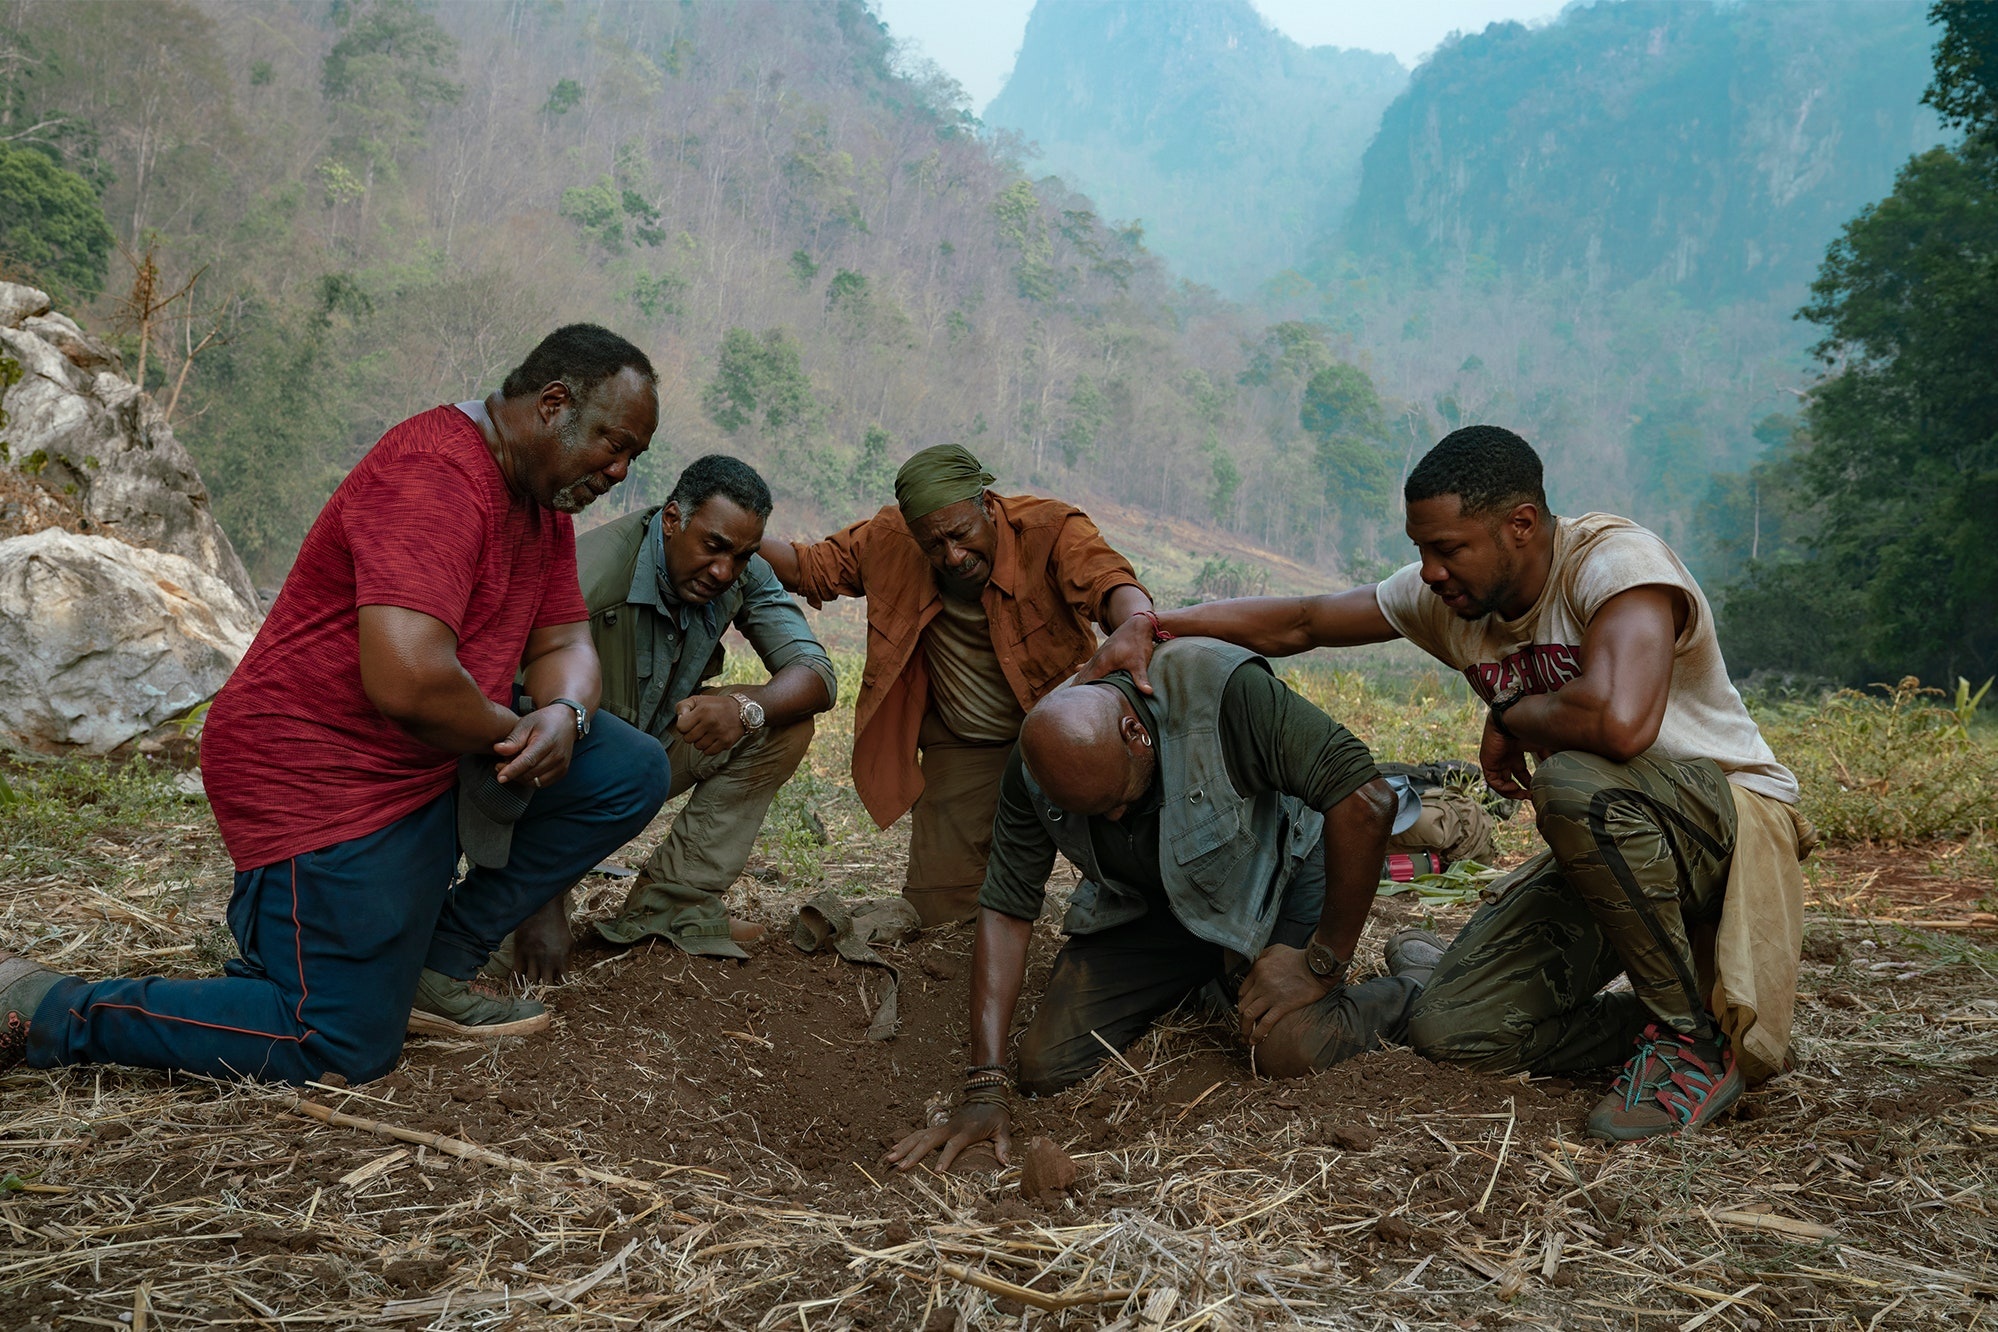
1325 964
582 717
1503 700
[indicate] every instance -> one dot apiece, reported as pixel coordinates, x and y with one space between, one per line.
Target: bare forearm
1122 603
791 695
448 712
1273 626
1282 626
1356 838
1616 707
566 672
411 673
998 967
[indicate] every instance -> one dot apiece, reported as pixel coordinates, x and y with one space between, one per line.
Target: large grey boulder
89 435
101 641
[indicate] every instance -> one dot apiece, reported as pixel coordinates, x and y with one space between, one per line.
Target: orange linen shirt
1052 576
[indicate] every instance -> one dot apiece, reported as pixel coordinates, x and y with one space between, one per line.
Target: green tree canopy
1904 462
52 228
1343 415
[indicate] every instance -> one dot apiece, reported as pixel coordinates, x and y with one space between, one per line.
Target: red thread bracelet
1159 634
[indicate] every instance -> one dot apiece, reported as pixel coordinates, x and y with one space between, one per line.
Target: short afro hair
1488 468
714 474
582 356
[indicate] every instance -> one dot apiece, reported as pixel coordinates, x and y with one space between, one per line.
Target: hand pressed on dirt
1130 649
542 942
971 1125
1277 985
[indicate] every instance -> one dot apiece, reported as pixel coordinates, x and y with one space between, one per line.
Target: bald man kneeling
1220 819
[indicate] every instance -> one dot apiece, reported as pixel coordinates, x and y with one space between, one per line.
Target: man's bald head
1088 750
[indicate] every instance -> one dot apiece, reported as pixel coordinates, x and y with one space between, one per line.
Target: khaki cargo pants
679 894
1637 858
950 829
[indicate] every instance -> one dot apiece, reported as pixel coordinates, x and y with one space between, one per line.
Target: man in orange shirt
978 606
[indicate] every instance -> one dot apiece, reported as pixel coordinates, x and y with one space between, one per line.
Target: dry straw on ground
697 1144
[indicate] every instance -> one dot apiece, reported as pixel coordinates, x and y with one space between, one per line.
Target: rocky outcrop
101 641
98 446
122 603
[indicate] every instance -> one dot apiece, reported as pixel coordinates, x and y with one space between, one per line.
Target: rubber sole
431 1024
1603 1127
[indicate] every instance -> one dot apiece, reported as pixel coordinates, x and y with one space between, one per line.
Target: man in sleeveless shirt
1671 830
1227 831
978 605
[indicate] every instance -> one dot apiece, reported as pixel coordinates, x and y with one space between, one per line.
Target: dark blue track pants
332 941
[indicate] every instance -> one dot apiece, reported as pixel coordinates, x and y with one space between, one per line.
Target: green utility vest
1225 858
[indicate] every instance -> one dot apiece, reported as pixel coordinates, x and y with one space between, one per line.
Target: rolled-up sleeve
1023 855
831 569
777 630
1087 570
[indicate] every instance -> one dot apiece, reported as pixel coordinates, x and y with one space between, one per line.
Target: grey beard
570 432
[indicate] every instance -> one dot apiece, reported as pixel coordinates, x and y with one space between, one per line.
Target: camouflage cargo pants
1638 854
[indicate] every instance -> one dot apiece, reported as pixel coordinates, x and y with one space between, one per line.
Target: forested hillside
1868 539
373 205
1238 148
1715 147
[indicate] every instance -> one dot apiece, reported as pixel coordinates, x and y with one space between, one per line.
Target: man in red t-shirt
372 727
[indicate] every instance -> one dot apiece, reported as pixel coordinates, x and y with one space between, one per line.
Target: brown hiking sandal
1673 1084
22 987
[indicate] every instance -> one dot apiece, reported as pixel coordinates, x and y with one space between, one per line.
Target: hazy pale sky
975 40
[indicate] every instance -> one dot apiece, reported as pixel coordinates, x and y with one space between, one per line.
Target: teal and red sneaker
1672 1084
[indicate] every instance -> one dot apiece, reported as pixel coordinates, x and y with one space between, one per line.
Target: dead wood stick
1027 1295
469 1151
1782 1225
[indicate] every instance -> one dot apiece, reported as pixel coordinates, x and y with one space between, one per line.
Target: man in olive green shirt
662 586
1227 830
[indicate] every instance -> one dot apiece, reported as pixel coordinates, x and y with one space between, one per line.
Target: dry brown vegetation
697 1143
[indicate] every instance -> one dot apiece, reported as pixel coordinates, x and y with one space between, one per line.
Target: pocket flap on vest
1215 831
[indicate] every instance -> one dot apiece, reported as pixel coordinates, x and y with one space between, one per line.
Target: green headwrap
938 477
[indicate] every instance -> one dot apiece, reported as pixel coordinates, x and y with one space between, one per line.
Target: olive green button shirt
656 650
1271 740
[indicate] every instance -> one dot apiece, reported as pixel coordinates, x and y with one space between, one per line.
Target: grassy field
696 1143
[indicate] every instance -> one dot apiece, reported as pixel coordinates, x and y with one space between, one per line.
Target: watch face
752 713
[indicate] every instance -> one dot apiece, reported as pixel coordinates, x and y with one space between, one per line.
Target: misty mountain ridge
1235 146
1714 147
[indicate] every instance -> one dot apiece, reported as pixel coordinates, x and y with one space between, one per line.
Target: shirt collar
650 587
1006 551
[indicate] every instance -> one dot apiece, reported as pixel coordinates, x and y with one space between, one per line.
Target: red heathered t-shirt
293 755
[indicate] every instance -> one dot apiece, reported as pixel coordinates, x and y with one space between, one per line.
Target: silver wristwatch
751 710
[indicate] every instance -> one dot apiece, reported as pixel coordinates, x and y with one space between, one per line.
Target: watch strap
1501 703
582 714
1326 964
